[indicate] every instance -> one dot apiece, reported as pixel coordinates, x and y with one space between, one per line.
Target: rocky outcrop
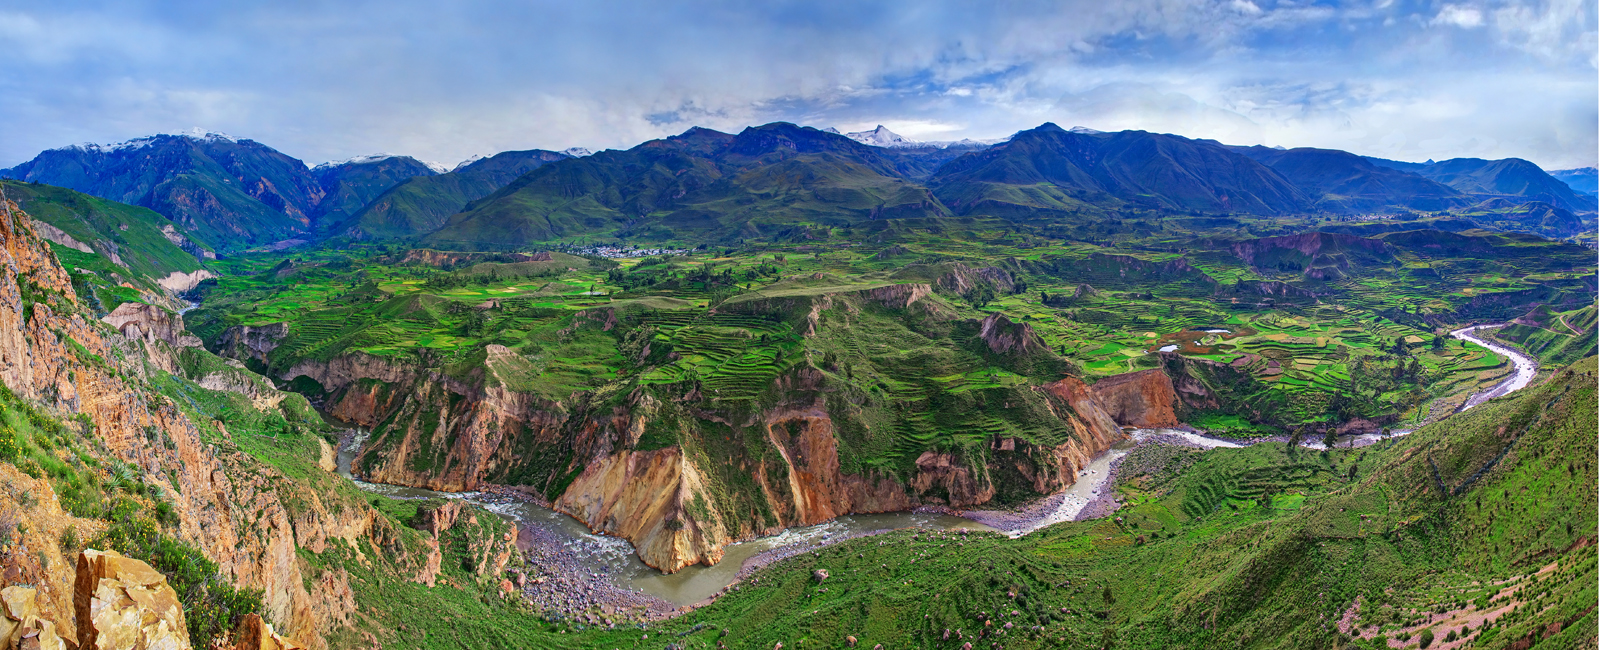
487 551
186 244
445 436
245 342
1144 399
228 505
815 490
179 282
1006 337
642 496
23 625
962 279
899 296
946 478
344 369
1094 430
59 236
256 634
149 322
1307 246
122 603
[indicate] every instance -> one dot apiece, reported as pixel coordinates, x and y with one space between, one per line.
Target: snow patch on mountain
194 133
358 160
470 159
1084 130
577 152
883 137
438 168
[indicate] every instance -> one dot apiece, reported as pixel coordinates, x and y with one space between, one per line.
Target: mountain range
777 180
1582 179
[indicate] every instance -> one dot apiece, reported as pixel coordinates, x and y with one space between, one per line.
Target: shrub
69 540
1425 639
212 604
9 450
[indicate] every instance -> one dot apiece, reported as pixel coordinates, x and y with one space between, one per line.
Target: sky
443 81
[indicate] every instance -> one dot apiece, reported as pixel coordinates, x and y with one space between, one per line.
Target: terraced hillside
1477 531
787 385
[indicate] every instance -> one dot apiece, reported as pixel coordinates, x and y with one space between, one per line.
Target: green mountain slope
349 186
234 193
1050 169
1480 526
1556 338
421 204
1513 178
700 185
136 238
116 253
1342 182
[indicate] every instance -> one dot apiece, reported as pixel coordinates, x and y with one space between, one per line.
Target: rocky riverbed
561 581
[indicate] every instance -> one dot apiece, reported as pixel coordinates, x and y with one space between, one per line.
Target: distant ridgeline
781 182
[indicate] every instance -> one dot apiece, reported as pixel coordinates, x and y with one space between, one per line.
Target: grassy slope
1558 338
1202 560
420 205
134 231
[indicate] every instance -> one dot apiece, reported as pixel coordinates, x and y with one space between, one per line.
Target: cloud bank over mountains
443 81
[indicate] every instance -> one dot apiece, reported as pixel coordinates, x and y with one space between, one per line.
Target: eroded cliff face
1144 399
239 512
245 342
652 466
643 496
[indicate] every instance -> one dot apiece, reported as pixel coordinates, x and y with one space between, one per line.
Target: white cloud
1459 16
445 80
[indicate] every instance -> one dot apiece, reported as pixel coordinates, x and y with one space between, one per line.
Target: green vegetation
1484 518
1556 338
212 604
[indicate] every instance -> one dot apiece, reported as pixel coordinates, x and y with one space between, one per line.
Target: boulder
21 625
123 604
256 634
820 575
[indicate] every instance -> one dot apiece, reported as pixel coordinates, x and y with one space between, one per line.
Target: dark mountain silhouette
1053 170
1342 182
421 204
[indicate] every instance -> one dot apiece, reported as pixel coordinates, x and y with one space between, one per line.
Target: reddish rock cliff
1144 399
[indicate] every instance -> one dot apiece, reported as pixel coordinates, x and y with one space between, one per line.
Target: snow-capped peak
882 137
470 159
438 168
199 133
577 152
358 160
1084 130
194 133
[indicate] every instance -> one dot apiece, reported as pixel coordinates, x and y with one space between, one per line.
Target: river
1524 367
615 559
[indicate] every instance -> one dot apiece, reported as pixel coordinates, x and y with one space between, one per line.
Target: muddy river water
614 558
